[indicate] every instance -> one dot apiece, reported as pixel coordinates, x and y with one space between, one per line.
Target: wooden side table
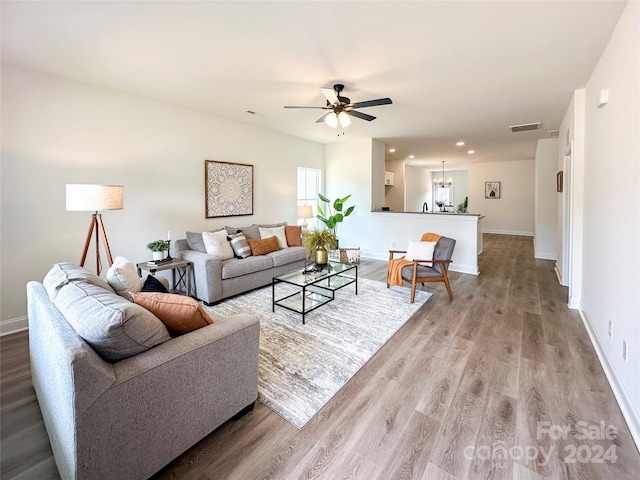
182 267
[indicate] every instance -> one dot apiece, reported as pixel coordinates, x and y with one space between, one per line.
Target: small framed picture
492 190
559 182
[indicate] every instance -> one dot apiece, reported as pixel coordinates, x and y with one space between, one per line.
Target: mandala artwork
229 189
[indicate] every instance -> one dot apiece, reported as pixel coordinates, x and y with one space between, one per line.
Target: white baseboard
546 256
574 303
628 411
509 232
13 325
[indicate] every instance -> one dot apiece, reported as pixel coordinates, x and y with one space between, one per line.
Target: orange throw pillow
180 314
294 235
264 246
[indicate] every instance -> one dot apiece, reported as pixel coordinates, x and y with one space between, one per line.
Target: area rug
302 367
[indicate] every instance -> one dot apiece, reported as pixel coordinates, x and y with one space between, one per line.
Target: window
442 196
308 189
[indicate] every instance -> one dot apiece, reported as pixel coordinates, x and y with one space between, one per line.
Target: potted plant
320 242
462 207
334 215
159 248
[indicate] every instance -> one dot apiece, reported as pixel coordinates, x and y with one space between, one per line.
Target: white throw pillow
123 278
278 232
216 244
420 250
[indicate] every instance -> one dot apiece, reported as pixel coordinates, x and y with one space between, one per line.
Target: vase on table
321 256
159 255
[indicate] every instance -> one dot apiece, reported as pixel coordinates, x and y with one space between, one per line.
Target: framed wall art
492 190
228 189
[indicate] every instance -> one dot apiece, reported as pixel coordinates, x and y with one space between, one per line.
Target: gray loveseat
128 418
217 279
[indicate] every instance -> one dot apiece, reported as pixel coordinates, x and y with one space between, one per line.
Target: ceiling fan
341 107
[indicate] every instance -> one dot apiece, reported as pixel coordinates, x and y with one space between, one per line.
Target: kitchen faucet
425 207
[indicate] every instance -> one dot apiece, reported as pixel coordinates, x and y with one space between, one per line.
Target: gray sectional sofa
125 402
216 279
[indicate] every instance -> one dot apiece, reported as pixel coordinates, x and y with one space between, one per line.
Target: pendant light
441 183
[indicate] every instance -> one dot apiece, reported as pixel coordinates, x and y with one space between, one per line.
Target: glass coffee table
318 288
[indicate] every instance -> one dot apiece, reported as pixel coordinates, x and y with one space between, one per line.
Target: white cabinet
388 178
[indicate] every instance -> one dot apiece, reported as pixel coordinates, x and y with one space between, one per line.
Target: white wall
417 189
564 163
377 174
56 132
348 167
546 198
571 201
513 212
394 195
611 246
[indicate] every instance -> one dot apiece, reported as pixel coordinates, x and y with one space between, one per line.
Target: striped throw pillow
239 244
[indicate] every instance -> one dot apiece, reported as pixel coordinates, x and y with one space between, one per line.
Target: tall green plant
333 216
462 207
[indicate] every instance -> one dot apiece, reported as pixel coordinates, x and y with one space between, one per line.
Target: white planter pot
159 255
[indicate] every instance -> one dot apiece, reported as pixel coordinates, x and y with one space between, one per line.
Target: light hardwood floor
502 382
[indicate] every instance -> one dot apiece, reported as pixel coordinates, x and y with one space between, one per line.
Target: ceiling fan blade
330 93
361 115
321 119
297 106
372 103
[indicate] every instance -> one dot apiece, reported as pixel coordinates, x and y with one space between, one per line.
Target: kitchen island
388 230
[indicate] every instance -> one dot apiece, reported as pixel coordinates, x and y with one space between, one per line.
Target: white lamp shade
331 120
93 198
345 121
305 211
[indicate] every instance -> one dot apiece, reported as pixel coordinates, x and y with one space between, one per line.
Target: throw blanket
394 269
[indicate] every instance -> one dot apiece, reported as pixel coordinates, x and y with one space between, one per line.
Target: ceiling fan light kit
331 120
342 108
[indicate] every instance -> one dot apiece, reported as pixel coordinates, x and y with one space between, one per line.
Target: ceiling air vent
552 134
525 127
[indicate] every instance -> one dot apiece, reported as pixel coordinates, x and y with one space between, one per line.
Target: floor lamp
94 198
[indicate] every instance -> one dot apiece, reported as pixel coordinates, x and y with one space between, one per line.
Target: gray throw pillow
251 232
273 225
195 242
64 272
114 327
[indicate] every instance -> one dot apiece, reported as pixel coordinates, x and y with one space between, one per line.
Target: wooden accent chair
421 271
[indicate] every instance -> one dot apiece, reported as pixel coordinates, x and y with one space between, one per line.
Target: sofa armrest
62 363
207 275
170 397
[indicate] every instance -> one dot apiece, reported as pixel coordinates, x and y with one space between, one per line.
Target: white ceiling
454 70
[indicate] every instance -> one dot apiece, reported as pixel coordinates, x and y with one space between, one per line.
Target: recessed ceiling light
470 152
392 150
411 156
459 144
